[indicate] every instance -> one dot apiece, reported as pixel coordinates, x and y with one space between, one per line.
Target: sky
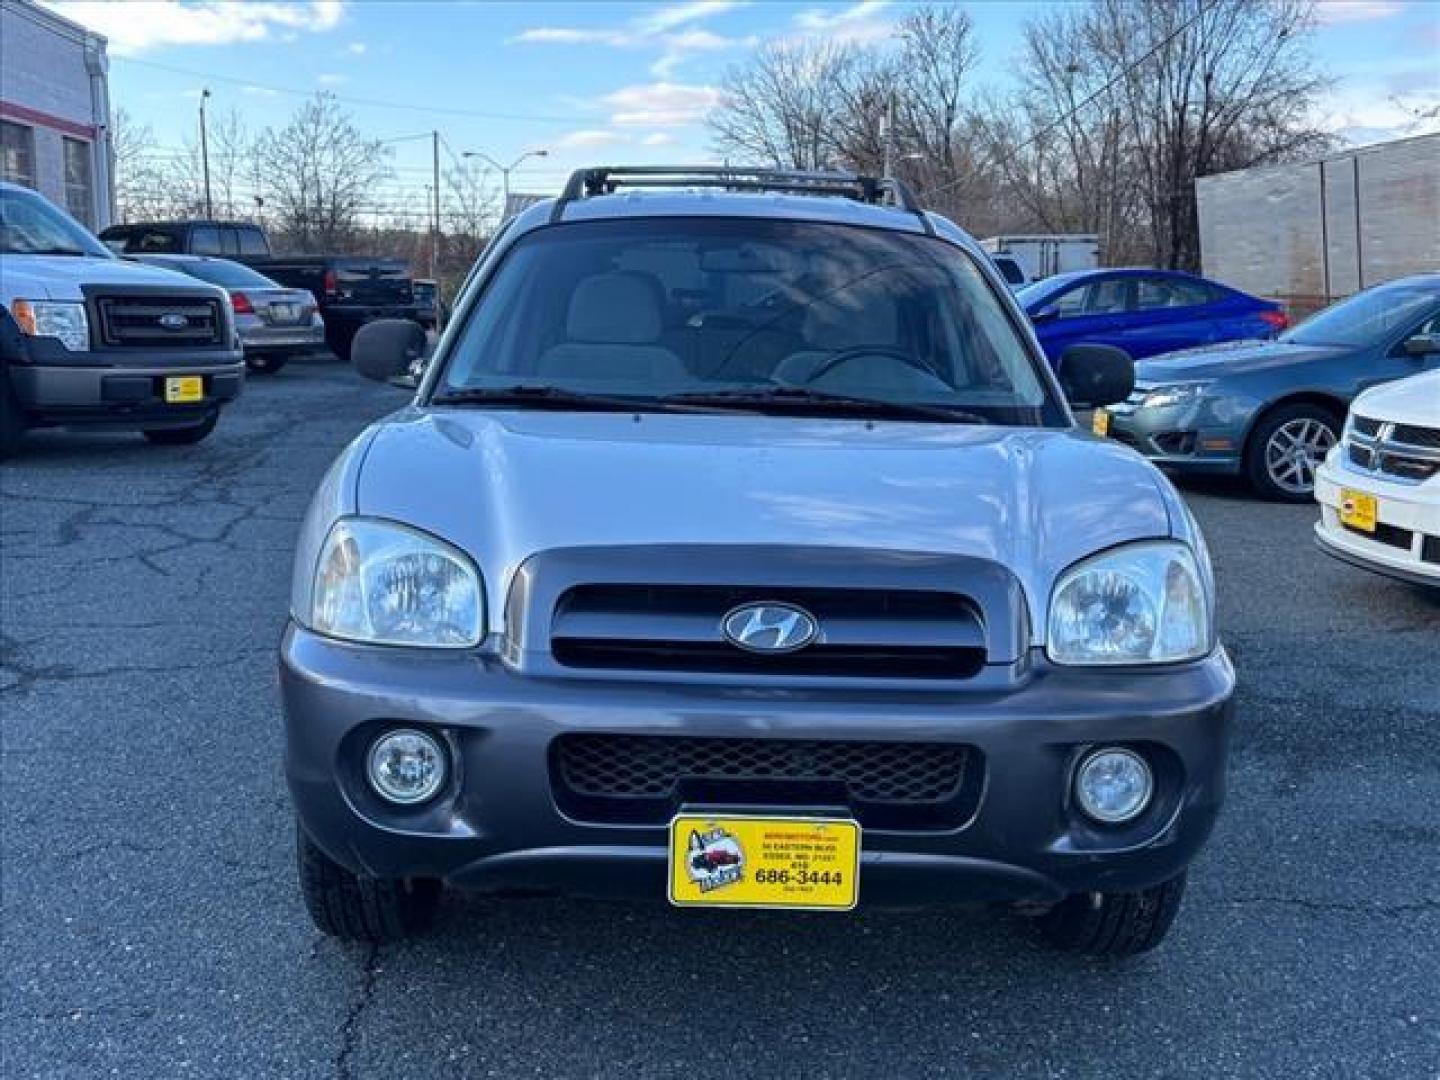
599 82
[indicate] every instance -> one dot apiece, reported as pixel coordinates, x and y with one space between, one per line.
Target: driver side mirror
1096 375
386 348
1421 345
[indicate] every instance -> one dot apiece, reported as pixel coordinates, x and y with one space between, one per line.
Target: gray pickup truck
739 548
87 340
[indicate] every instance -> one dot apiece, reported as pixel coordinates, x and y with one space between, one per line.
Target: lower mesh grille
647 777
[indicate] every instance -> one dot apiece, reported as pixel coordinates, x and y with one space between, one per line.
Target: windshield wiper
788 397
555 397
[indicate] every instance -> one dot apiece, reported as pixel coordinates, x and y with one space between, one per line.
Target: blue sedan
1144 312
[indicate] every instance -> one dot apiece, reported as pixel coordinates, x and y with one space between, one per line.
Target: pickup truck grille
156 321
1396 451
645 778
864 633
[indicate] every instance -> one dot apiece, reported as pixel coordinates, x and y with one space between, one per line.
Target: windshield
222 272
1368 318
31 226
652 309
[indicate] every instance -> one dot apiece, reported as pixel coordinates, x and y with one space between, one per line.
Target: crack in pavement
348 1028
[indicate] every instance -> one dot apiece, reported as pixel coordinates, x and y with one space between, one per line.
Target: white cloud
667 18
657 138
330 78
669 29
1329 12
661 104
857 24
356 48
142 25
590 137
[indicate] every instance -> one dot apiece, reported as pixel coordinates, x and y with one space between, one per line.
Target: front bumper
133 393
261 337
1407 543
500 826
1187 437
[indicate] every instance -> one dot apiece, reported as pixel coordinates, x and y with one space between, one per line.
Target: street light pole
205 154
505 170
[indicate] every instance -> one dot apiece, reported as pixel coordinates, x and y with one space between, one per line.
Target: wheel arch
1331 403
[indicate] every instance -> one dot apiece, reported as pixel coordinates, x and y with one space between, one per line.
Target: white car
1379 489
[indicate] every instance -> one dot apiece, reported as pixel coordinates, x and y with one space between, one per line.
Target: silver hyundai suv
740 549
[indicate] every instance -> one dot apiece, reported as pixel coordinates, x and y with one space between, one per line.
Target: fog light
1114 785
406 766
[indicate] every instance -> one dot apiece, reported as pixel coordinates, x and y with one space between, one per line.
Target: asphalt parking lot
152 926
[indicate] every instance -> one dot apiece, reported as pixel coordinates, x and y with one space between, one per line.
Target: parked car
87 340
1271 410
427 303
274 323
1379 490
351 290
744 503
1144 312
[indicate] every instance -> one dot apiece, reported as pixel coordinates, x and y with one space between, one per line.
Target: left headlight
64 321
386 584
1144 603
1163 397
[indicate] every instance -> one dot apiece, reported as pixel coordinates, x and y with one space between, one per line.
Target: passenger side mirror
1095 375
386 348
1044 315
1421 345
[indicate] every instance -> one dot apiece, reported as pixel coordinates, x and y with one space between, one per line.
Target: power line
478 114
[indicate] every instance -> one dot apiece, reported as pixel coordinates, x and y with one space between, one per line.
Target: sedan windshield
222 272
750 315
1368 318
31 226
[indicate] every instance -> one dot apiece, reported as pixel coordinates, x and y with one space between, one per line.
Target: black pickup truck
350 290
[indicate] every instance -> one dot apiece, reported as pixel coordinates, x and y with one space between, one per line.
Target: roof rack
607 179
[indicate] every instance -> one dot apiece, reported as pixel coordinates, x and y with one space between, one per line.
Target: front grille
1361 457
1430 549
1389 535
137 322
1408 468
1366 426
865 633
646 778
1413 435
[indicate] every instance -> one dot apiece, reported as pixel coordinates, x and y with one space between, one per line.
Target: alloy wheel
1295 451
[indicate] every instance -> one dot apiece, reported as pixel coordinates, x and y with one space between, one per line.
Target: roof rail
607 179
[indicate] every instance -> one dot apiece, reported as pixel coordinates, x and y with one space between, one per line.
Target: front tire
1286 448
354 908
1114 924
266 363
184 436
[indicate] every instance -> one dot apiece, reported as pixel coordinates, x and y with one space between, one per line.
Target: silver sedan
274 323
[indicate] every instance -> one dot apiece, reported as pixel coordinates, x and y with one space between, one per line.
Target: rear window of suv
656 307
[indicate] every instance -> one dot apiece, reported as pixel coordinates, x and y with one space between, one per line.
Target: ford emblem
174 321
770 628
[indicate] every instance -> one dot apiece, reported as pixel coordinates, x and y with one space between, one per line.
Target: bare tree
143 181
319 170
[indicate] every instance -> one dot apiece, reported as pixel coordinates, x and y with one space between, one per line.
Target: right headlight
385 584
1144 603
63 320
1163 397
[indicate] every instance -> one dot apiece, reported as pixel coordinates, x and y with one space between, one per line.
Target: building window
79 187
17 153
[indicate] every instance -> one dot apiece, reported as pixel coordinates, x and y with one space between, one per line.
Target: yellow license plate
1358 509
181 389
764 862
1100 422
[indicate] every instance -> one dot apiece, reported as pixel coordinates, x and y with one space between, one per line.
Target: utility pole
435 221
505 170
205 154
889 135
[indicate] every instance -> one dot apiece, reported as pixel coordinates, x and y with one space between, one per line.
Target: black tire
265 363
1114 924
12 419
184 436
339 342
1257 450
354 908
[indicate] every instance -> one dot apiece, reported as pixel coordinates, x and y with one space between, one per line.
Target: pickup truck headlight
62 320
1143 603
386 584
1164 396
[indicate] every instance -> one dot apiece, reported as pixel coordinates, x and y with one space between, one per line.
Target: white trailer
1043 255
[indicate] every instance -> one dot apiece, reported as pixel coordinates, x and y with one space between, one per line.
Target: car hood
506 485
1229 358
1415 400
60 276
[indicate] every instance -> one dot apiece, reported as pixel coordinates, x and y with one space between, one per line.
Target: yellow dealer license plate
764 862
1358 509
181 389
1100 422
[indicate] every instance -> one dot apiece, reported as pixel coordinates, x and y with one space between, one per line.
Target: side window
205 240
1071 302
151 240
252 241
230 240
1108 296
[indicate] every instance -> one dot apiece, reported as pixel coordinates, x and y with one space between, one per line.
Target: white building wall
53 79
